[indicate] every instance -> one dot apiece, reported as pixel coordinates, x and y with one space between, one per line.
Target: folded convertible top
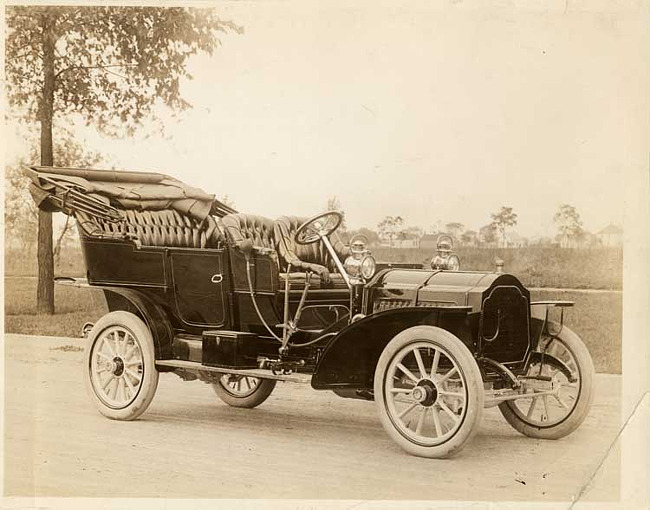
104 192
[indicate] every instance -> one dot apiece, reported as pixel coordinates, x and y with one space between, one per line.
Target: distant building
429 241
405 243
399 240
611 235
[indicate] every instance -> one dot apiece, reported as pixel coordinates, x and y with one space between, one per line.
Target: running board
253 372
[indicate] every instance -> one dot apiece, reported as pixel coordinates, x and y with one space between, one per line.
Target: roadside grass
74 307
596 317
24 263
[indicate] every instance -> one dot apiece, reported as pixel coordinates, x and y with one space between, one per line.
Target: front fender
350 359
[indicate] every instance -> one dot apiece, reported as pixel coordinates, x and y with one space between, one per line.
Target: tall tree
503 220
109 65
568 223
487 234
454 229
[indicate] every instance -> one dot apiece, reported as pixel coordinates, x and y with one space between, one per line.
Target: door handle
216 278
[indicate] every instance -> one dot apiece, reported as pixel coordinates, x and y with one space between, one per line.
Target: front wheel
243 391
429 392
565 394
120 372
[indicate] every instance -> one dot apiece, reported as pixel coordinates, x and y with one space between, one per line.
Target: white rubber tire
145 390
453 348
260 393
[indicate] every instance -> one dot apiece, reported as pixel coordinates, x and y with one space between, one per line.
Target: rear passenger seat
157 228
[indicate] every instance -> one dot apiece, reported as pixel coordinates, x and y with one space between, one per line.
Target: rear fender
350 359
153 315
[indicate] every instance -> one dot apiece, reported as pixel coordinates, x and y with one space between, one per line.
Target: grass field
596 316
74 307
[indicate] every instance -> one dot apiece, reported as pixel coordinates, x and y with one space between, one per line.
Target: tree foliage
488 234
390 226
111 64
108 65
503 220
568 223
454 228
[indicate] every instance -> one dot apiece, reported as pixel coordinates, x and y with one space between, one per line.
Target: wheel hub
117 366
425 393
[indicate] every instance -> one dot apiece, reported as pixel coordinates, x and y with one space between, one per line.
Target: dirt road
299 444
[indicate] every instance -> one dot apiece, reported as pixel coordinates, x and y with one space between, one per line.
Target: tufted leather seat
313 257
241 226
157 228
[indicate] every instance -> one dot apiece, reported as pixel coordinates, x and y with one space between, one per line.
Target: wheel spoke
107 382
114 390
100 367
129 352
407 372
532 407
434 366
544 416
436 421
133 374
418 359
120 388
407 410
129 384
133 362
448 411
103 355
447 375
400 390
418 428
116 338
559 400
110 347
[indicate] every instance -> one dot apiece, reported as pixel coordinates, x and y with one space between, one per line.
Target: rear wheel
120 372
429 392
568 399
243 391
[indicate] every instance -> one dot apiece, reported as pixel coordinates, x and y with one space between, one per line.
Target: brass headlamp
360 262
445 258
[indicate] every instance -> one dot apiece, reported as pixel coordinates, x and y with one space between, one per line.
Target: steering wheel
319 226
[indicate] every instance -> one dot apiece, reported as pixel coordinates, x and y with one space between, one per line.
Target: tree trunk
45 287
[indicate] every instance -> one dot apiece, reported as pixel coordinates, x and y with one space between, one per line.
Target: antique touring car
242 301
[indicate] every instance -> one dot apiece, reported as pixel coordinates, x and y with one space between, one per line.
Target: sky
437 112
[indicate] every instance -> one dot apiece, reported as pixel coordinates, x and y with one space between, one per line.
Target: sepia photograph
272 253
